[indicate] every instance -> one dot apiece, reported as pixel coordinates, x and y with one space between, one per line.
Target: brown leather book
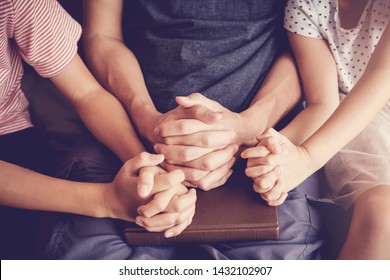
230 213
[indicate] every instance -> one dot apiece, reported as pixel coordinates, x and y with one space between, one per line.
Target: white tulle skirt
363 163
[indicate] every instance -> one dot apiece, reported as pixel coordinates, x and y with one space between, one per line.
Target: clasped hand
276 166
153 198
198 138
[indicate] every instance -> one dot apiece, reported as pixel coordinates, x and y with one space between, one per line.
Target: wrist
310 166
111 206
101 208
145 118
249 126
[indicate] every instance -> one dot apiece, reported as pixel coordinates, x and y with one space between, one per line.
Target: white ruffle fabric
363 163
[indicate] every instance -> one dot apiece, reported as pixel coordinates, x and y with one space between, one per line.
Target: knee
372 211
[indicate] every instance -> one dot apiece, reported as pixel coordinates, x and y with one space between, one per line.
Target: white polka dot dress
351 48
364 162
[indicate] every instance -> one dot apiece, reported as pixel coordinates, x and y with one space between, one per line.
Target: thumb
142 160
198 99
272 140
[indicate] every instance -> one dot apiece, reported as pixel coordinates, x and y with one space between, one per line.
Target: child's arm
359 107
319 79
355 112
23 188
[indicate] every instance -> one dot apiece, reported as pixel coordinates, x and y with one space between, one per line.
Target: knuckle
182 127
268 131
195 95
205 165
195 175
205 141
159 206
198 109
147 224
177 206
185 155
256 188
261 182
170 180
128 164
143 156
168 141
181 219
203 186
162 131
171 220
268 160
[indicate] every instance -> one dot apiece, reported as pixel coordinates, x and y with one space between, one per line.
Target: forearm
23 188
308 121
98 109
279 93
354 113
107 120
360 106
118 70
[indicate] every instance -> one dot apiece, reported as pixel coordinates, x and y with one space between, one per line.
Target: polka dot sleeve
301 18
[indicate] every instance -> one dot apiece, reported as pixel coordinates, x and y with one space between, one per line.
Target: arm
117 69
318 69
23 188
114 65
279 93
99 110
172 210
359 107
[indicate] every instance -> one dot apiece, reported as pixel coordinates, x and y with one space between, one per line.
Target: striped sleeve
46 35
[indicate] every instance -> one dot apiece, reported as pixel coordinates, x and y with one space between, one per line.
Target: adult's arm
101 112
118 70
278 94
114 64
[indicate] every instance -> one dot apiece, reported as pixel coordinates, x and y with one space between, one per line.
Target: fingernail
169 234
215 116
156 149
143 190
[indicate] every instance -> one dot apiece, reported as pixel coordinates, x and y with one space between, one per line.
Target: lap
79 237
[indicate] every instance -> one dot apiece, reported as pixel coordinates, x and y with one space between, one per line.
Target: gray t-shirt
221 48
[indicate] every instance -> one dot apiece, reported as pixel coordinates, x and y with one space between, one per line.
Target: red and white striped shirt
45 36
